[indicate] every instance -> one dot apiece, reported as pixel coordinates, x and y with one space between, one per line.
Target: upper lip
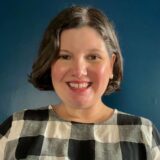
78 81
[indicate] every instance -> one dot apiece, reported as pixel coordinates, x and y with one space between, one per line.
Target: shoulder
130 119
39 114
142 129
140 133
18 118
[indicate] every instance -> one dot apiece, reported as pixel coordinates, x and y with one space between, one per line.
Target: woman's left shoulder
124 118
138 125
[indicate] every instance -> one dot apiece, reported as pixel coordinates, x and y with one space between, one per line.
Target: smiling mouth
79 85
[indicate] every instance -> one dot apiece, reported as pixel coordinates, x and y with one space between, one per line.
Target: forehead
81 38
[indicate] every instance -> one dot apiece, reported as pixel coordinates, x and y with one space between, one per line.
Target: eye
93 57
64 57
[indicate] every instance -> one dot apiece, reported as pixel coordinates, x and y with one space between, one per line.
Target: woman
80 59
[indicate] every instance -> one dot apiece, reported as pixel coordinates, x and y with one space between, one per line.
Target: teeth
78 85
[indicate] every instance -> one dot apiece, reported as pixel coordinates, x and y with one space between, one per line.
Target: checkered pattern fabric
40 134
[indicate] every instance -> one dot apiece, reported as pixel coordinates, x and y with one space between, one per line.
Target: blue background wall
22 24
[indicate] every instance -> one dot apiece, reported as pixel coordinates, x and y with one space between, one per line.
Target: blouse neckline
109 120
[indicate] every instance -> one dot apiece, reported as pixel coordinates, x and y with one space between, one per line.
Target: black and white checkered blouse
40 134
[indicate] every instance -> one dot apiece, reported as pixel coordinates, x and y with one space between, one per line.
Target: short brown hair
75 17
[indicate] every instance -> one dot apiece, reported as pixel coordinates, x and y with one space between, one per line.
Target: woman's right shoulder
32 114
40 113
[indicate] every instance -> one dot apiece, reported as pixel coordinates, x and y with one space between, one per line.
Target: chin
82 105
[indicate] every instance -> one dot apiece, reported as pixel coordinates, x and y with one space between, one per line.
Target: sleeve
4 131
155 151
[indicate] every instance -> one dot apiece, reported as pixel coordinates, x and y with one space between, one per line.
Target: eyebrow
88 50
95 50
64 50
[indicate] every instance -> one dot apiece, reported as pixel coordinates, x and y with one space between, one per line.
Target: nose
79 68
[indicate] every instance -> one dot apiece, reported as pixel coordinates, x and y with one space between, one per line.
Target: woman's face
82 71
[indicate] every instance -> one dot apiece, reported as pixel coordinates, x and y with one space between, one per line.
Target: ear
112 61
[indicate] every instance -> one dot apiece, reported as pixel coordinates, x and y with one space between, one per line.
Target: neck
93 114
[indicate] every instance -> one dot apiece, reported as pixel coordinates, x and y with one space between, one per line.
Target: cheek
102 74
57 72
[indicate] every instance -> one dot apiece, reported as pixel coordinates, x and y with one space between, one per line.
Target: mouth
79 85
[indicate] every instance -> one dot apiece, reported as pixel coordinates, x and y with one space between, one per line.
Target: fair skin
81 74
